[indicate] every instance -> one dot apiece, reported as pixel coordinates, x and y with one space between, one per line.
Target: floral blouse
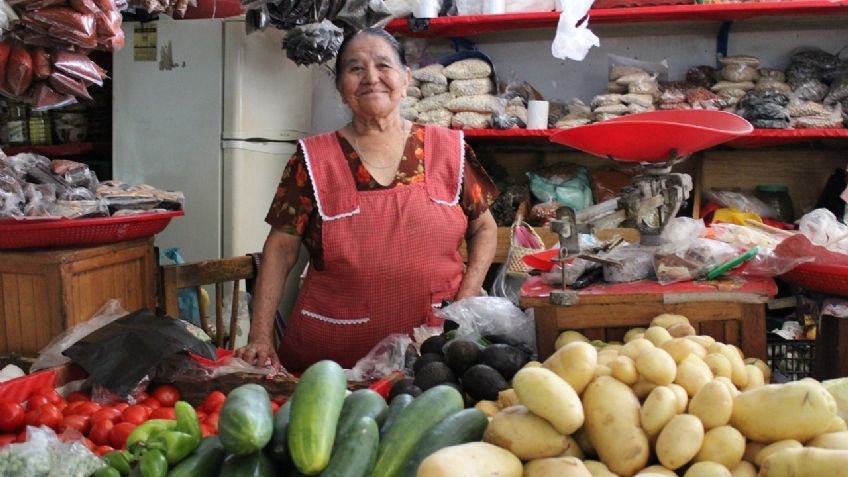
293 209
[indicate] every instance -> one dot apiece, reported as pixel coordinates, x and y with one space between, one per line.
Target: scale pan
655 136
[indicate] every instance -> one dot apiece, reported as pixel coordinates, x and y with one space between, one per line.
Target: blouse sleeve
478 190
294 200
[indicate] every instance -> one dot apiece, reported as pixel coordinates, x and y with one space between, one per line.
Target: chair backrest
209 272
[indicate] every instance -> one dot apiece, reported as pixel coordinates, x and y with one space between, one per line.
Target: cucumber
245 423
356 453
359 404
414 421
464 426
398 404
204 462
251 465
278 447
316 406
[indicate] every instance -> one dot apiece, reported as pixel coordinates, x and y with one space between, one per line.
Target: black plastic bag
122 353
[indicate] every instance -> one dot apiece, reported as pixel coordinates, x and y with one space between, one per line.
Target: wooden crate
44 292
831 349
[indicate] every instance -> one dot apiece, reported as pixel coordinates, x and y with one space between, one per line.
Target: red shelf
758 138
477 24
56 150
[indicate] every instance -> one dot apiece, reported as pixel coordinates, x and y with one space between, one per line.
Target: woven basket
515 264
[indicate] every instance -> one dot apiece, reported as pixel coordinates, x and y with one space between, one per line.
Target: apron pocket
346 318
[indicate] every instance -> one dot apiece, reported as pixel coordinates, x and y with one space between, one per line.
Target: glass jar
777 196
40 128
18 131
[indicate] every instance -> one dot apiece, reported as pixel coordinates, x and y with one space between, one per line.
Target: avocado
461 355
450 325
504 339
433 344
424 360
433 374
483 382
506 359
404 386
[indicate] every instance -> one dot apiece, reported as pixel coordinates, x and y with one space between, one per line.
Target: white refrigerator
216 115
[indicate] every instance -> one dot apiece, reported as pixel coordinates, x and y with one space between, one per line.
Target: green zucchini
356 453
359 404
398 404
245 423
461 427
204 462
251 465
278 447
414 421
316 406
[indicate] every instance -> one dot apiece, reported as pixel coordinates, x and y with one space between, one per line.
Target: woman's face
372 81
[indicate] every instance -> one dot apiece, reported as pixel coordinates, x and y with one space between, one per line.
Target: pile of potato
667 402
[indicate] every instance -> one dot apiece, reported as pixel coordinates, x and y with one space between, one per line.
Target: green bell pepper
187 420
142 433
120 461
175 445
107 472
153 464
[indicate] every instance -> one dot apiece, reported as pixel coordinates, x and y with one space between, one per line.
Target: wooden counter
43 292
729 311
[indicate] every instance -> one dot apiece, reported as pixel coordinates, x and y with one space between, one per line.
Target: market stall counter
731 310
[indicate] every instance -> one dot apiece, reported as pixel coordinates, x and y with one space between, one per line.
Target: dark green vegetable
464 426
120 461
245 424
251 465
355 454
278 447
107 472
398 404
204 462
359 404
153 464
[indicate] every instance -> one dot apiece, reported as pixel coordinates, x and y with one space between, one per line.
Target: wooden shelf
59 150
477 24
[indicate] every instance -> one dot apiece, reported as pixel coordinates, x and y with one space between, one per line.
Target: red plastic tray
64 233
830 279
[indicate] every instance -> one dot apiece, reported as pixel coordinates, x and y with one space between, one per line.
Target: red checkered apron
390 255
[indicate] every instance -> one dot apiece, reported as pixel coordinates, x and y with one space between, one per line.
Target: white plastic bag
386 356
484 315
573 41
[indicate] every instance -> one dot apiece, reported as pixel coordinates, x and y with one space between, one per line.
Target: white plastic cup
494 7
426 9
537 114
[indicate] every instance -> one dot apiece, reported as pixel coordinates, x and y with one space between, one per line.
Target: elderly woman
382 206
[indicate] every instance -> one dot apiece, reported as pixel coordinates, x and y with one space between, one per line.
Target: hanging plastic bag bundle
574 40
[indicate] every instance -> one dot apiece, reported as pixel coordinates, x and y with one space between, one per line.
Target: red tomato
151 403
100 451
78 396
76 421
87 442
201 415
167 395
61 405
121 406
119 434
36 401
213 401
22 436
6 439
87 408
135 414
11 416
100 431
141 396
71 408
274 407
212 421
163 413
52 396
207 430
106 413
47 415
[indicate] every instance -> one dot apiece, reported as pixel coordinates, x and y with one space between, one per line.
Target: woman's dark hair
377 33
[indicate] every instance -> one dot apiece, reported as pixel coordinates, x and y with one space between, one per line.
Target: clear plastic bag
386 356
823 228
742 202
30 458
683 229
688 260
182 368
482 315
573 38
658 71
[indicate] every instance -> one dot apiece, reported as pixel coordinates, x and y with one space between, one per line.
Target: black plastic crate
791 358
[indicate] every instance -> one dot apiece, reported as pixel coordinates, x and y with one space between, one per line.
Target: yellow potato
762 365
681 395
681 329
738 374
755 377
707 469
489 408
634 333
657 366
752 448
607 356
723 445
731 388
667 319
635 347
601 370
744 469
679 441
680 348
567 337
718 364
598 469
624 370
775 447
703 340
713 405
806 462
507 398
546 395
797 410
657 335
612 424
556 467
832 440
582 438
659 407
837 424
693 374
614 345
533 364
474 459
643 388
525 434
656 470
573 450
575 363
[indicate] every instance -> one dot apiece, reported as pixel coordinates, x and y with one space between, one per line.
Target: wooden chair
195 275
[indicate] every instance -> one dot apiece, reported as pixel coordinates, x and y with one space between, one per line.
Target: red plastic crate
830 279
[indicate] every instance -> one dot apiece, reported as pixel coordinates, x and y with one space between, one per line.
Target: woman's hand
259 352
